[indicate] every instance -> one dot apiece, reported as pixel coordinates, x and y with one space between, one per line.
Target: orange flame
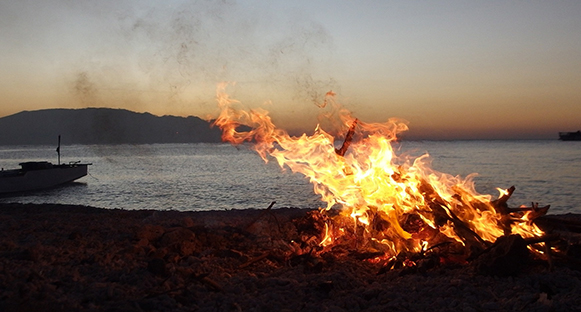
369 182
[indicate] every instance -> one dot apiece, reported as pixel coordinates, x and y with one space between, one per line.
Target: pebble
137 261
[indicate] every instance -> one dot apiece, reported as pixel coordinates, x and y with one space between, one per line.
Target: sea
200 176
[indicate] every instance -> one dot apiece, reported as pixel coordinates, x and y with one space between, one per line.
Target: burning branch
341 151
500 204
509 216
441 213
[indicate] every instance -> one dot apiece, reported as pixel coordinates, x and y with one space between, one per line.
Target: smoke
85 90
167 58
201 43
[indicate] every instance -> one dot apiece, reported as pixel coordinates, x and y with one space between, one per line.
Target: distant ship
570 136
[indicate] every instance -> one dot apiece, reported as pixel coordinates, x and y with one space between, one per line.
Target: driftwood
254 260
212 284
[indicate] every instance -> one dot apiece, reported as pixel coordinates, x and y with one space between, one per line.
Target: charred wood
254 260
506 257
442 214
500 204
566 223
210 283
348 138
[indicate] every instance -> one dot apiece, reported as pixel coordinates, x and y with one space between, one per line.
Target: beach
79 258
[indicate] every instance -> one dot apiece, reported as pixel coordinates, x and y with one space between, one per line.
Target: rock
188 222
181 240
142 242
30 254
160 252
75 235
150 232
157 267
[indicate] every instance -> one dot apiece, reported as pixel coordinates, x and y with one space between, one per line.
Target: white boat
36 175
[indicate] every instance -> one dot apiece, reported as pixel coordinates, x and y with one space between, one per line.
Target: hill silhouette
102 126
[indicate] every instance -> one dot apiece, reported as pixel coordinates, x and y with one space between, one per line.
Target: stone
150 232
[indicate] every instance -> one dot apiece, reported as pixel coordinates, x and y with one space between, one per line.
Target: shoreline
65 257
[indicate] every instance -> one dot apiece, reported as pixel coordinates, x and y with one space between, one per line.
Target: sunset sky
452 69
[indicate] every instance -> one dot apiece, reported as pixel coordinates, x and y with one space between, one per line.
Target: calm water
219 176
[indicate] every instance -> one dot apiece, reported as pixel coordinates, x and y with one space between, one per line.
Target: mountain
102 126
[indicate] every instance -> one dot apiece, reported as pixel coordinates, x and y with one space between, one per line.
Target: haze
453 69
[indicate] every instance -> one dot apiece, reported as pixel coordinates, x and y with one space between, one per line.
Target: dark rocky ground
75 258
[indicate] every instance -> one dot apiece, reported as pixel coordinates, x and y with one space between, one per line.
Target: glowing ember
390 203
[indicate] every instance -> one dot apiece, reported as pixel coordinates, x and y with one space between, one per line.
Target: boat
37 175
570 136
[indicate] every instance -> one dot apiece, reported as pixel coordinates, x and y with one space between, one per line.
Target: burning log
489 257
511 215
441 214
530 213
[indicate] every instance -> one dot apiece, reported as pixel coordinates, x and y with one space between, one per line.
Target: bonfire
378 203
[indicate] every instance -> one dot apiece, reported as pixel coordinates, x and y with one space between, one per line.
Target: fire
392 203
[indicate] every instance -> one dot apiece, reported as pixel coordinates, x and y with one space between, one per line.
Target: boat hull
18 180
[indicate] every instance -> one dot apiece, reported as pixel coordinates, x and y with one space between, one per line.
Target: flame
399 202
328 238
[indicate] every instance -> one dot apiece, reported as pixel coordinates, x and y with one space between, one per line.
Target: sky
451 69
